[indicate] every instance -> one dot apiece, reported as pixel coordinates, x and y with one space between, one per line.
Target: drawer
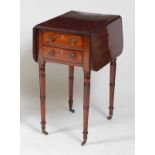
72 56
59 39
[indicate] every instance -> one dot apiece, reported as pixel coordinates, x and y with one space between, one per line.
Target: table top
95 39
78 22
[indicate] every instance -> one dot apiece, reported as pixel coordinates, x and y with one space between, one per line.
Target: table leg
112 88
71 79
42 96
86 105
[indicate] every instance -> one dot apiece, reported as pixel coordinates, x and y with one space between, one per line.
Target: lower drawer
65 55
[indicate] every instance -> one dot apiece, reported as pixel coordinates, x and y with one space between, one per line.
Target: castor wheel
72 110
84 142
109 117
44 132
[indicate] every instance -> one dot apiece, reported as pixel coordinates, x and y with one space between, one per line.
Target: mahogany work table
88 40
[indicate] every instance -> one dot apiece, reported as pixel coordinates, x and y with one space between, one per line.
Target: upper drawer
58 39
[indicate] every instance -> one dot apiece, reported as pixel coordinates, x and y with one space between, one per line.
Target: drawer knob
51 38
72 41
73 55
51 53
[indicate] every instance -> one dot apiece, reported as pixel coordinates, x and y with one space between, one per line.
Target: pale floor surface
115 137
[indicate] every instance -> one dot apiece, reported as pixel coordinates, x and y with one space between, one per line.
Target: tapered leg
42 96
86 106
71 79
112 88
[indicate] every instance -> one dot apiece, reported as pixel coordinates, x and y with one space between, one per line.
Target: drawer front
58 39
73 56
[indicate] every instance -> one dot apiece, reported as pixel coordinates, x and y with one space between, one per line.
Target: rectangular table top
78 22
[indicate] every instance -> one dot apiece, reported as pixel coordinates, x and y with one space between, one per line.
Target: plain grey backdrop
114 137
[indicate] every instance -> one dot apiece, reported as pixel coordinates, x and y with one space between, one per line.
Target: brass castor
44 132
70 106
72 110
84 142
109 117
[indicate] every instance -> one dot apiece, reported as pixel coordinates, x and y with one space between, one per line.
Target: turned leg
42 96
71 79
86 106
112 88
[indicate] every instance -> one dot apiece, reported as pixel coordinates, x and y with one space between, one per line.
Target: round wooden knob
72 41
51 53
73 55
51 38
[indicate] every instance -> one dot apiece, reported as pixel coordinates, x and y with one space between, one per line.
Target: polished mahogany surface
78 22
88 40
63 55
60 39
67 31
